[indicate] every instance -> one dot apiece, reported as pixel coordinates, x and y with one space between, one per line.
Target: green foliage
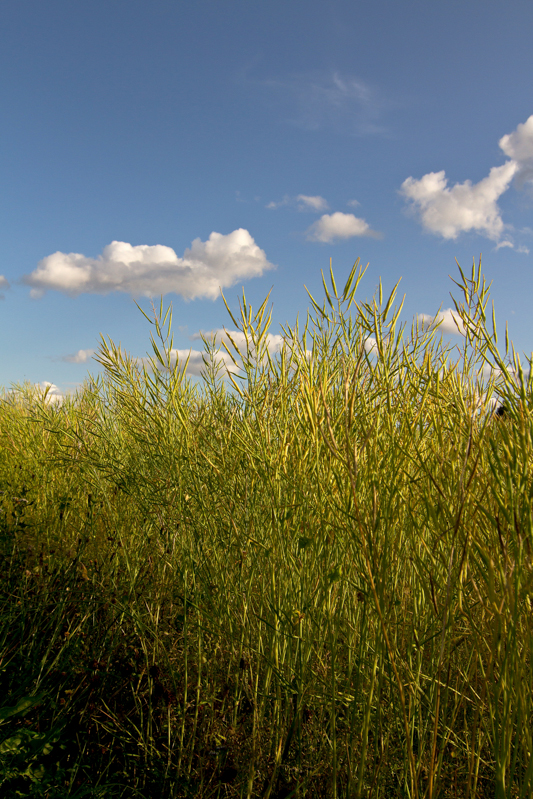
307 574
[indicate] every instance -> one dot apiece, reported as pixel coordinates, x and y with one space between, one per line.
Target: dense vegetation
312 578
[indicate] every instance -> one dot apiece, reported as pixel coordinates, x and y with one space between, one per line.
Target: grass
312 579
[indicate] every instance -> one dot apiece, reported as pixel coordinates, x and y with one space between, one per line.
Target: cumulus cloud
146 270
196 359
448 322
193 358
50 391
196 363
339 226
518 145
450 211
221 335
353 203
82 356
307 203
370 345
46 391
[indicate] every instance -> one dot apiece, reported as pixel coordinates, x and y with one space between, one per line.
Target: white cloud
450 211
491 404
353 203
82 356
279 204
339 226
27 392
4 284
449 321
518 145
274 342
195 358
312 203
370 345
196 364
52 392
145 270
36 391
303 202
508 243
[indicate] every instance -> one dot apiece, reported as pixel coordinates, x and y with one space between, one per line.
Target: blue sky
175 147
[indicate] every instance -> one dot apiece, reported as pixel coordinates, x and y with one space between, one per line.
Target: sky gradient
178 148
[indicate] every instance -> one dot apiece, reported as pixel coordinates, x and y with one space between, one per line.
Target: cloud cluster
448 322
195 358
145 270
331 227
82 356
449 211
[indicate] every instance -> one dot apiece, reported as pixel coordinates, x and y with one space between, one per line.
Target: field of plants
307 574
